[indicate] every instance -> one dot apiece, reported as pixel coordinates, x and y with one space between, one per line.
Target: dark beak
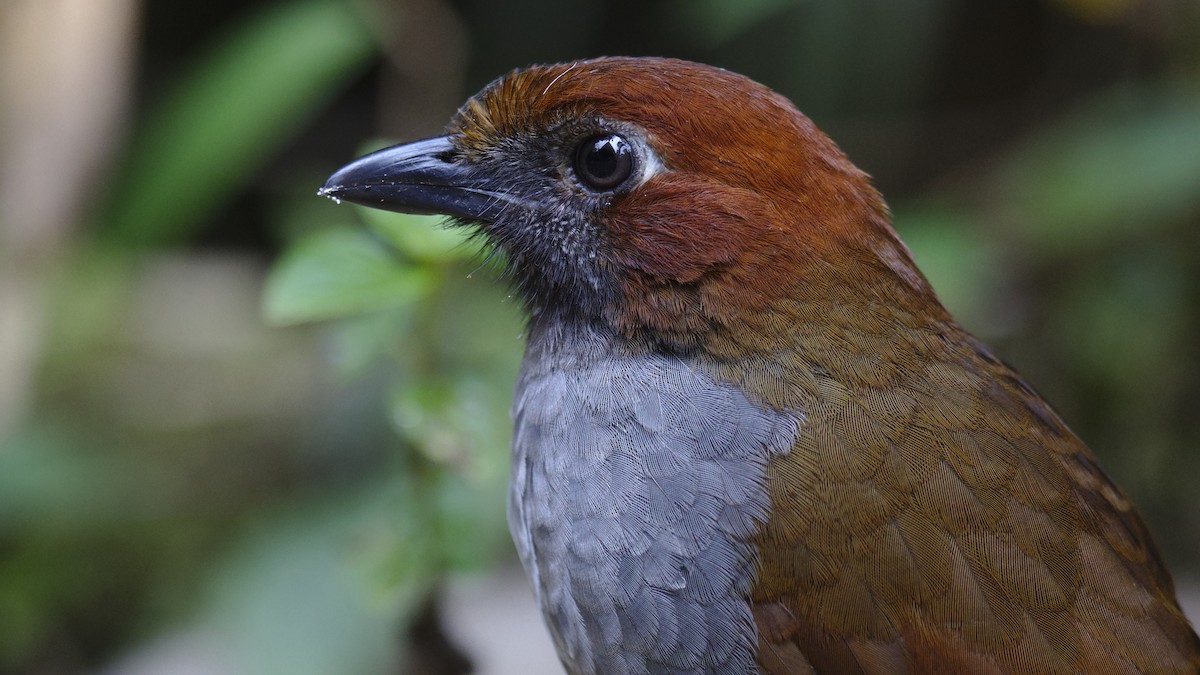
420 177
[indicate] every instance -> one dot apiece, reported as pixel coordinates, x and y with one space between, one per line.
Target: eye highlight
604 162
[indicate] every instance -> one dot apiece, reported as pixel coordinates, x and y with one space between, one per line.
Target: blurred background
244 430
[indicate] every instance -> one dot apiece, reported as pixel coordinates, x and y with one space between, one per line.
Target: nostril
449 156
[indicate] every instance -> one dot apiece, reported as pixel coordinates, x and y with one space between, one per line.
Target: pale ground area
491 617
494 620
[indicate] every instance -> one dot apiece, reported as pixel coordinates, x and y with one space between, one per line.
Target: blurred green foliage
251 91
294 492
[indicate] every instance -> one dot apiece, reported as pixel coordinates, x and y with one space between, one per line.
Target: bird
748 438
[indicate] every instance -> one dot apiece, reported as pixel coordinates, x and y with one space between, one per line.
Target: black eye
604 162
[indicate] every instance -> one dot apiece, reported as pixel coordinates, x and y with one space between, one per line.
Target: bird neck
764 301
783 352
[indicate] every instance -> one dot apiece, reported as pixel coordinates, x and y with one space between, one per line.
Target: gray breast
636 485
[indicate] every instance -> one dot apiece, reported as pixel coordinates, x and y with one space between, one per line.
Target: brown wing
938 517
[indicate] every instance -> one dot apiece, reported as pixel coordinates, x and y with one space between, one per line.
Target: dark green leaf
1108 172
242 99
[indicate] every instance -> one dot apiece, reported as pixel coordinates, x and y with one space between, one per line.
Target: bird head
668 201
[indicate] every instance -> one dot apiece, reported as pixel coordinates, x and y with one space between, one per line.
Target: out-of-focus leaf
88 303
423 238
717 21
458 424
289 600
959 263
472 521
1097 11
1133 316
340 272
426 522
359 340
60 497
49 477
1112 170
248 94
480 324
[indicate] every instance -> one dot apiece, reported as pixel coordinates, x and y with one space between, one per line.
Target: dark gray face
541 198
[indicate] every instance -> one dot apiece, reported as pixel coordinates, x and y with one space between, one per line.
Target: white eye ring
649 166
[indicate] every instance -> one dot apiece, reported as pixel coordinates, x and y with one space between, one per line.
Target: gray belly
636 486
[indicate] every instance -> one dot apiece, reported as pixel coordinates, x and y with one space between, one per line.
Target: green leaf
288 599
358 341
424 238
340 272
53 482
1112 170
959 263
717 21
471 521
1133 315
253 89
